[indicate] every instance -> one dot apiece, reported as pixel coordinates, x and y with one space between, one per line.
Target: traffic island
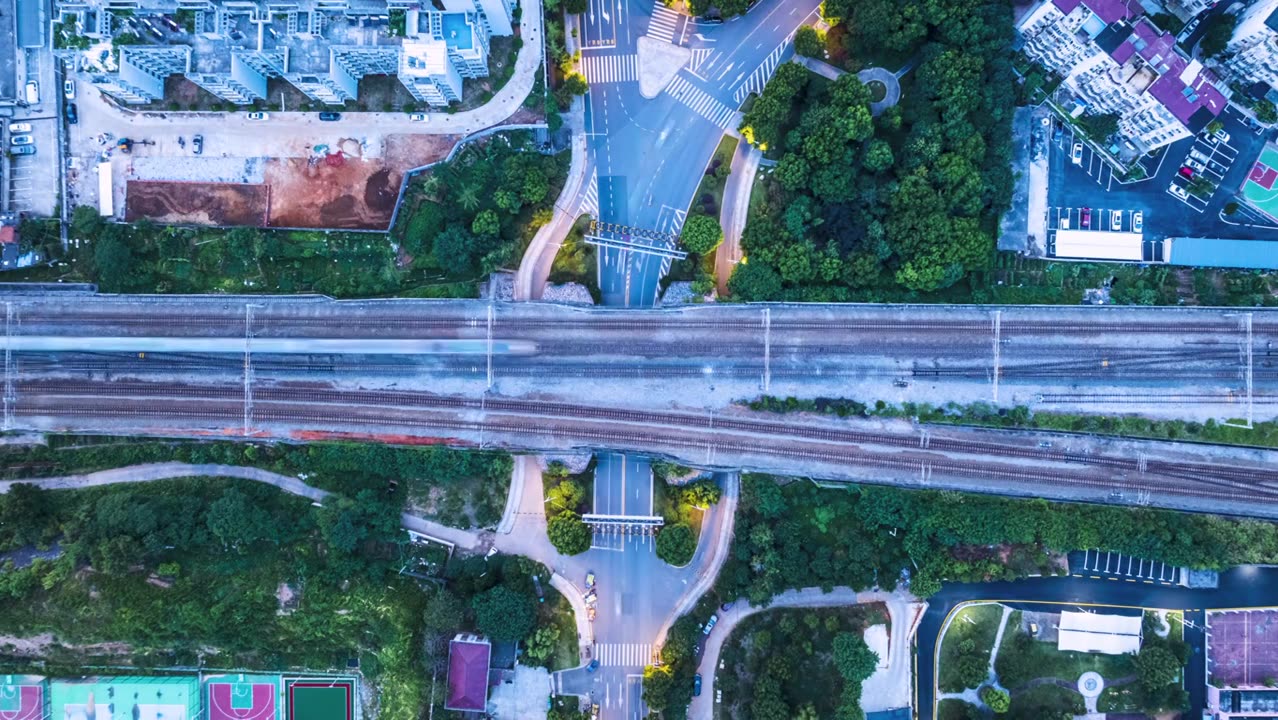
659 62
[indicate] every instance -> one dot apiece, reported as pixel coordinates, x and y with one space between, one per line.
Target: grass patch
1022 658
1045 702
557 612
878 90
969 638
951 709
709 196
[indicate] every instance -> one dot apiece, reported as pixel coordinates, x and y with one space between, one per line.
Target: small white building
1098 633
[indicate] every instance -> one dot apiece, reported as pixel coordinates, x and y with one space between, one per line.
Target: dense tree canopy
701 234
505 614
568 533
676 544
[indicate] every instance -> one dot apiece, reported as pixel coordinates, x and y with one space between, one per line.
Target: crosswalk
600 69
699 56
590 203
664 22
761 74
623 654
701 102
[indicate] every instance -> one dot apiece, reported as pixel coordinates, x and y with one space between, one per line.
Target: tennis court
21 698
1258 188
138 698
242 697
320 698
1242 646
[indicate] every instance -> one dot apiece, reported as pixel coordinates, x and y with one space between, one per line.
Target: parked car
330 116
1178 191
1221 135
73 114
593 666
23 150
419 117
22 140
728 605
696 685
68 88
1186 171
714 620
1078 153
1116 220
591 598
259 116
590 579
1195 164
19 127
197 144
1085 218
33 92
1138 221
1065 223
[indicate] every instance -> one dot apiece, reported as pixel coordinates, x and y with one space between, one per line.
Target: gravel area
575 462
574 293
199 169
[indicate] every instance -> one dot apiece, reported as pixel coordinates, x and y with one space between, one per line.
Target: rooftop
468 673
1108 10
1183 86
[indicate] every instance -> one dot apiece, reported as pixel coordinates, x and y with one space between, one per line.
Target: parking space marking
1128 567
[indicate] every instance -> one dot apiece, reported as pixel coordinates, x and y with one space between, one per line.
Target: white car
68 89
1195 164
1221 135
1178 191
419 117
1116 219
22 140
258 116
1078 153
19 127
1138 221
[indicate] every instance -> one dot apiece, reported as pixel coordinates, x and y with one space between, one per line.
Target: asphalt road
1240 587
649 154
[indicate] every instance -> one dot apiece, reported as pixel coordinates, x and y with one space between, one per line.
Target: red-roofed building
468 657
1115 61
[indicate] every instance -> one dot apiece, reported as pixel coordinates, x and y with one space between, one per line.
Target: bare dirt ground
340 190
196 203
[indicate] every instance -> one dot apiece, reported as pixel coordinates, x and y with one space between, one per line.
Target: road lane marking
701 102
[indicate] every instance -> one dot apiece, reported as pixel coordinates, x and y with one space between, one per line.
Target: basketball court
21 699
1242 646
242 697
1258 188
320 698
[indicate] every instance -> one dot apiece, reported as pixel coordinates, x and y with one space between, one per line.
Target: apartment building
1252 52
322 48
1114 60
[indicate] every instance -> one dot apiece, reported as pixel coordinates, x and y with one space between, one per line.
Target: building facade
231 48
1114 60
1252 52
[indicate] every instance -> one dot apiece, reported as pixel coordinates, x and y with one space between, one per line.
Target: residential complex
1114 60
232 48
1252 53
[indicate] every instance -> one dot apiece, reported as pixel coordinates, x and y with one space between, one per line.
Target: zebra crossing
701 102
699 56
610 68
664 22
761 74
623 654
590 203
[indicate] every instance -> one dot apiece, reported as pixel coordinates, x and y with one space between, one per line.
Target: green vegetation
458 488
701 234
964 657
676 544
798 663
710 192
576 261
681 507
566 500
1167 21
810 42
476 213
792 533
998 700
1265 112
1262 434
951 709
1042 702
1023 658
843 217
1220 28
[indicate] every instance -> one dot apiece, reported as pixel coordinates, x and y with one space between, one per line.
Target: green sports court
320 698
125 698
1258 189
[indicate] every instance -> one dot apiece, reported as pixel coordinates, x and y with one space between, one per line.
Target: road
649 153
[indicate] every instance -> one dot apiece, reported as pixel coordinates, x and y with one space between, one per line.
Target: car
68 89
33 92
1178 191
73 114
1116 219
1078 153
714 620
593 666
197 144
1138 221
591 598
418 117
259 116
22 140
590 579
696 685
1085 218
1065 223
1186 171
728 605
1221 135
330 116
594 711
19 127
1212 139
23 150
1195 164
1193 153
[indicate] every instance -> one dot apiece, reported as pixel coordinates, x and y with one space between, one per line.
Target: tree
238 523
443 614
657 682
753 281
808 42
454 251
566 496
116 266
569 534
504 614
676 544
1099 127
86 223
998 700
575 7
486 224
1156 667
854 660
541 645
1265 112
702 493
1220 29
701 234
878 156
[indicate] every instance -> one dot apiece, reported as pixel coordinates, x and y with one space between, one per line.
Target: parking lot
1102 219
33 179
1101 563
1092 183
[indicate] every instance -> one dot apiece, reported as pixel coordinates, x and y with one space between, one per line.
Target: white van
33 92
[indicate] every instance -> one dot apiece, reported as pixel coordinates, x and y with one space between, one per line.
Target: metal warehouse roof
1213 252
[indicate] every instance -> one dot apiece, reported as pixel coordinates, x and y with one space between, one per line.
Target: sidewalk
735 212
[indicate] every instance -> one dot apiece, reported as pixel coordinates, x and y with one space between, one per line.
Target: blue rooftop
458 34
1211 252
